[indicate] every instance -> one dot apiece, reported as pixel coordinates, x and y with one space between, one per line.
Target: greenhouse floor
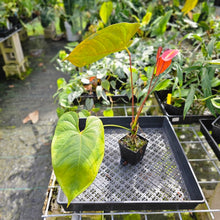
25 170
25 164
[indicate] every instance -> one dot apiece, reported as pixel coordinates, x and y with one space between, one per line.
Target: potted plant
47 17
74 167
4 23
74 18
196 84
8 18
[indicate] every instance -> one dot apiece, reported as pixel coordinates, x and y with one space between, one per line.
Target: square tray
177 119
162 180
206 128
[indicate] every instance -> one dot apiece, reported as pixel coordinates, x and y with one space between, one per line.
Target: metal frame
209 158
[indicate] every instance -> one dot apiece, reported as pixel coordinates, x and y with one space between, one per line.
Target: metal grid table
200 156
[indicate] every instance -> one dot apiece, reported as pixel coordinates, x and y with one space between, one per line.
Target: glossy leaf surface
102 43
77 155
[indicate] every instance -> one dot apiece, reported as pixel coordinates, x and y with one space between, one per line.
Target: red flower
164 61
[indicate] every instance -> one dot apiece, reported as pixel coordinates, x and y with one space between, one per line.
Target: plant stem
150 89
132 87
134 124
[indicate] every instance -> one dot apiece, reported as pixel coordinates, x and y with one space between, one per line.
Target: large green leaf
77 155
111 39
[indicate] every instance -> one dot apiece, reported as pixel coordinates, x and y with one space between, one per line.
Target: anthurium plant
77 154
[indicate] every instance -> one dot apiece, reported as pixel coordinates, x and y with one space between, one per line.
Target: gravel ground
25 162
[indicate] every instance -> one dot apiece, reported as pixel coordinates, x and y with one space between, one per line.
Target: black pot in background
217 3
175 118
129 156
216 130
4 32
173 110
14 20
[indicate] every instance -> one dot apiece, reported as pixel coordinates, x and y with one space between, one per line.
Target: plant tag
169 95
175 119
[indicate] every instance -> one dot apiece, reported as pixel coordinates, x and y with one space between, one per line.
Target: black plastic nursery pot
216 129
176 114
14 20
163 179
4 32
206 128
130 156
115 98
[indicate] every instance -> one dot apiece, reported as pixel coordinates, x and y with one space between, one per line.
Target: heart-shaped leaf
77 155
111 39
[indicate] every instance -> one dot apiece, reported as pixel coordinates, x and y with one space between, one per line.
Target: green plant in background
10 7
26 9
47 16
112 73
86 154
77 14
198 81
107 78
47 11
3 16
118 64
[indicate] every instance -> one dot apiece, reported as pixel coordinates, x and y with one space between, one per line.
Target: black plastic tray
177 119
162 180
116 98
206 127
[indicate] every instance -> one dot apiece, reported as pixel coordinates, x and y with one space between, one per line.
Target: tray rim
179 119
163 121
211 141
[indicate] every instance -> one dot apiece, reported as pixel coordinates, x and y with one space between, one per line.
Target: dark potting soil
133 144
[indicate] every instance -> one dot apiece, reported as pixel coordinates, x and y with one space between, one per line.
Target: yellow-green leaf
189 5
105 11
111 39
146 19
77 155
